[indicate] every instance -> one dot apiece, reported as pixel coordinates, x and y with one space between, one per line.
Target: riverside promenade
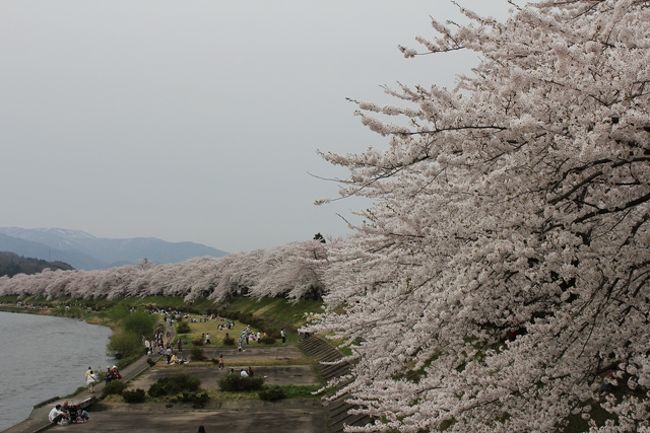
284 365
37 420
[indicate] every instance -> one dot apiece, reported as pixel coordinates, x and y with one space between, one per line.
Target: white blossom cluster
293 270
500 282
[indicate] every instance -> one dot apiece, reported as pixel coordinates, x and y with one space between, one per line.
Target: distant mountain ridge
86 251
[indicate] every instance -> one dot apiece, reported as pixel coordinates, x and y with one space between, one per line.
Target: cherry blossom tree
500 282
293 270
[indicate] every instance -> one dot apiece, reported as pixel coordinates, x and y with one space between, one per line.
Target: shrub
114 387
139 323
236 383
174 384
228 341
125 344
151 362
272 393
197 354
267 339
183 327
134 396
198 399
197 342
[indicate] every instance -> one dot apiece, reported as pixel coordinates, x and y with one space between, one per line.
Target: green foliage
134 396
267 339
236 383
270 314
140 323
116 313
197 398
292 391
151 362
183 327
197 354
228 341
125 362
272 393
114 387
12 264
125 344
197 342
174 384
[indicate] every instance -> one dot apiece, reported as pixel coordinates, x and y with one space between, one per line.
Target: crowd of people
160 343
68 414
112 373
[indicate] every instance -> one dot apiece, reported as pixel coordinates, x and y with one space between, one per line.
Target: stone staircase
338 415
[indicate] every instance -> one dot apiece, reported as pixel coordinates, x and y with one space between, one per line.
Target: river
42 357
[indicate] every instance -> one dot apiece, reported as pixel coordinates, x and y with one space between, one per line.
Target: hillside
85 251
12 264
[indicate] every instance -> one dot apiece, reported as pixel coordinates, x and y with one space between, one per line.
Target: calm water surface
42 357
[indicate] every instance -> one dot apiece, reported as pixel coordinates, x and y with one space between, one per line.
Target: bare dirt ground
299 416
210 375
279 365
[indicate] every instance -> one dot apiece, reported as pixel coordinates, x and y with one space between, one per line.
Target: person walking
91 378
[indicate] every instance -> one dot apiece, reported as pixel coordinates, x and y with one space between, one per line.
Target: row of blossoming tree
293 270
500 283
501 280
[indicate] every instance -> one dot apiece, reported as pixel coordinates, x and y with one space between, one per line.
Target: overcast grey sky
197 120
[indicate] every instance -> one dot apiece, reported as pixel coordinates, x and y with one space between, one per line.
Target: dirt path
299 417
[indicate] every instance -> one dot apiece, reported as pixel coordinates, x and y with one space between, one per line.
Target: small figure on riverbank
222 362
112 373
168 354
283 335
57 416
91 379
75 414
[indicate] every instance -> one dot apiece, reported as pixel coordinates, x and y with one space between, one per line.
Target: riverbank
281 364
45 356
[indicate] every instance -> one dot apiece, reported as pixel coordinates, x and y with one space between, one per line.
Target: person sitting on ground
243 373
66 408
82 416
109 375
57 416
73 413
113 373
250 371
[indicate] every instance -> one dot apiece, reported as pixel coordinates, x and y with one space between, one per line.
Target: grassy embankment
129 319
